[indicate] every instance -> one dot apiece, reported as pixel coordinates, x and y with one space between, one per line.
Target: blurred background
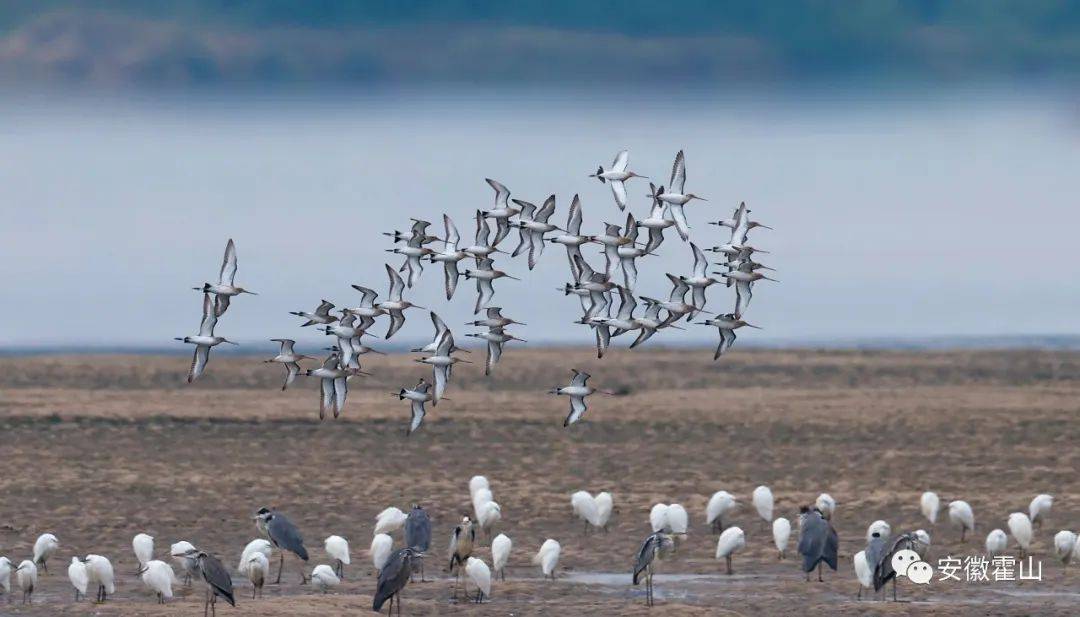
917 159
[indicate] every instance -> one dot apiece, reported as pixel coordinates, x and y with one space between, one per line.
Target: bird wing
700 263
198 362
524 242
678 174
620 161
578 378
627 304
442 376
679 217
544 213
221 304
656 237
482 230
536 248
618 189
573 253
577 409
487 292
326 401
396 284
341 391
494 352
645 556
215 575
573 222
502 194
397 319
324 307
286 345
418 413
643 336
292 369
528 210
699 299
452 236
743 294
727 339
228 265
285 535
450 274
419 230
209 317
502 228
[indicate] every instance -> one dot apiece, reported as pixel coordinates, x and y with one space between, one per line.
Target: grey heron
284 535
393 578
879 554
217 579
418 535
818 542
461 547
651 549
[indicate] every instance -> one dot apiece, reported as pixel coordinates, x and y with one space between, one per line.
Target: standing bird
480 574
720 504
881 528
577 390
929 504
818 542
284 535
1040 508
143 547
996 542
158 577
183 553
548 557
727 324
488 516
26 578
289 358
678 520
676 197
652 549
395 305
323 577
258 545
418 535
616 176
226 286
77 574
217 579
393 578
100 571
500 554
382 545
731 541
321 315
879 556
45 545
658 518
257 568
5 576
960 514
461 546
1064 546
450 256
1020 528
781 532
762 498
204 340
389 520
862 572
826 505
584 506
338 550
418 395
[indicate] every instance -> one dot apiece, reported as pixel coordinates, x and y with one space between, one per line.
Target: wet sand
101 448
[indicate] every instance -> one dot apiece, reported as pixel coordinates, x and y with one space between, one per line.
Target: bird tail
600 170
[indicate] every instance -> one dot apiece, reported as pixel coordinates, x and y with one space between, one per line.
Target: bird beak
770 279
750 325
231 343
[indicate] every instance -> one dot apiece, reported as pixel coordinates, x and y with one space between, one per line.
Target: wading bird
44 547
257 569
100 571
500 554
1020 527
418 395
26 576
321 315
657 221
762 498
1040 508
338 550
960 514
720 504
323 577
571 238
289 359
382 545
781 532
818 542
158 577
418 535
676 197
183 554
393 578
652 549
727 324
395 306
462 540
217 579
77 574
143 547
996 542
731 541
577 390
450 256
480 574
484 274
284 535
548 557
532 225
929 504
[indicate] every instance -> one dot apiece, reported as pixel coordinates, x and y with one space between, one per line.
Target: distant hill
692 43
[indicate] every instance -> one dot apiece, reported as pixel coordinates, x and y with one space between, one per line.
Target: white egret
381 547
548 557
604 506
476 483
143 546
678 521
44 547
763 501
863 572
323 577
658 518
960 514
731 541
1040 508
482 496
78 576
585 508
180 552
996 542
5 575
257 568
781 533
389 520
101 574
26 577
500 554
1020 527
158 577
338 549
1064 546
479 573
258 545
929 504
720 504
489 516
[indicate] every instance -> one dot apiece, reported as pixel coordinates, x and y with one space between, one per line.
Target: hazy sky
928 215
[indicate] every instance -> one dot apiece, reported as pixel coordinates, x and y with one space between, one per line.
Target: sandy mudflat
100 448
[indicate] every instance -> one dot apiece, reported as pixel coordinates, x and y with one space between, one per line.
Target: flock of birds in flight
594 287
817 546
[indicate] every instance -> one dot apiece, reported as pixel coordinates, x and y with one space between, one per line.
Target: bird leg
894 590
963 530
820 580
859 597
281 566
206 603
729 570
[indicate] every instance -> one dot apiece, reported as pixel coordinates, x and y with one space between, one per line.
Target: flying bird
321 315
442 363
484 274
450 256
532 225
676 197
481 246
577 390
418 395
226 287
204 340
334 384
395 305
413 251
727 323
658 220
616 176
289 358
571 237
501 212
